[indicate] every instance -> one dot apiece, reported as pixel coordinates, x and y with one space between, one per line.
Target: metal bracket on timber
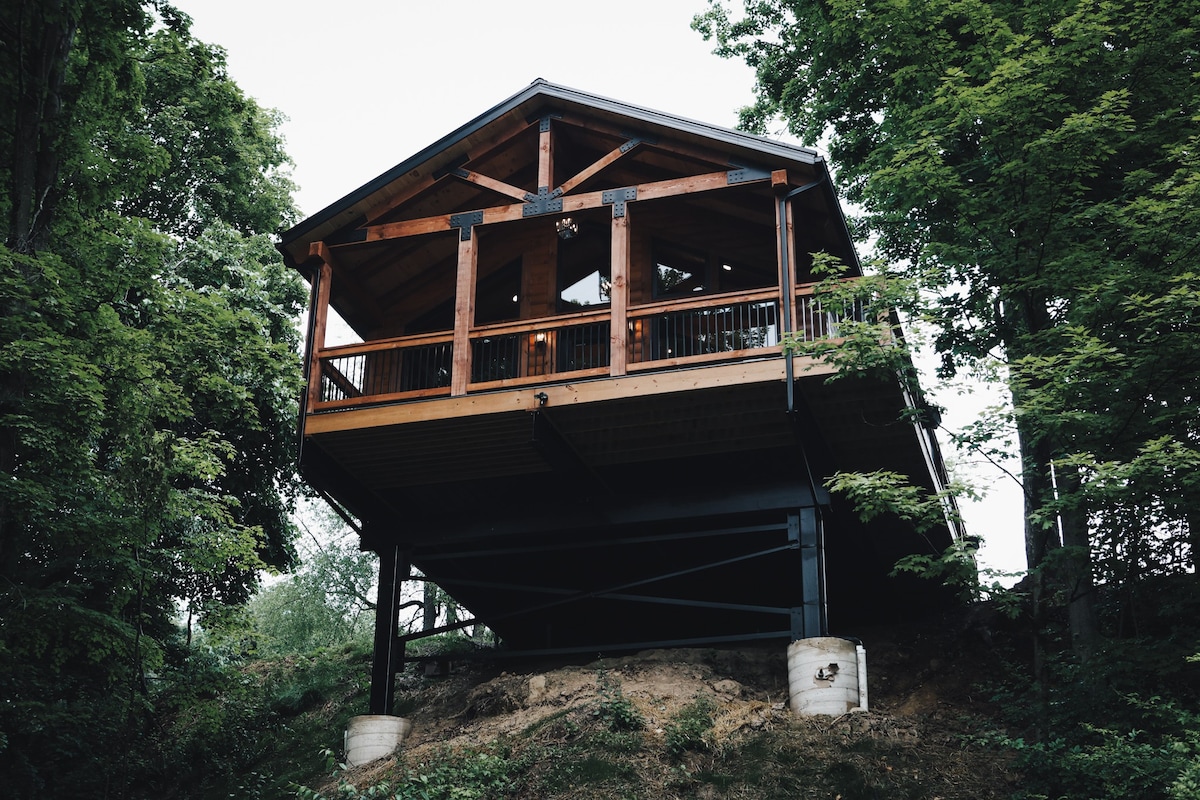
544 202
617 198
746 175
464 223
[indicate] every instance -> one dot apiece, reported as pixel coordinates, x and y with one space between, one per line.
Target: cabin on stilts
569 404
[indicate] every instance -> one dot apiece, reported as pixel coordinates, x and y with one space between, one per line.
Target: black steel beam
634 598
788 493
577 596
809 618
695 641
555 547
389 649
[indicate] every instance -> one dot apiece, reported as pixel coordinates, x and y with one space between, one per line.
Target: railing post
320 312
618 328
785 254
464 312
787 293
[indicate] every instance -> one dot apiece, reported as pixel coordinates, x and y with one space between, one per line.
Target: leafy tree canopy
1034 167
148 371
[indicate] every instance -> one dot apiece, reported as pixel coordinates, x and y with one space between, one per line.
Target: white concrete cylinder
824 676
373 736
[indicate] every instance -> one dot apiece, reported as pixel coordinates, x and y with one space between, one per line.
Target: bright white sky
364 84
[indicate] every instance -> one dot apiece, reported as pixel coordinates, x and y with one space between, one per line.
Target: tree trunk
1077 569
1193 525
1069 573
43 49
429 620
1041 536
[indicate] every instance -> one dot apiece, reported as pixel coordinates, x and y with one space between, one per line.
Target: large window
681 271
678 271
585 267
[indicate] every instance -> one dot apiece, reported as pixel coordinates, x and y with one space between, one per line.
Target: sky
364 84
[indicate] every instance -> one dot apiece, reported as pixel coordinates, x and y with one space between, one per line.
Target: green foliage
587 770
222 723
1123 724
691 728
1032 167
1187 785
954 567
470 774
882 492
865 336
148 375
1104 762
1122 407
614 709
325 602
451 643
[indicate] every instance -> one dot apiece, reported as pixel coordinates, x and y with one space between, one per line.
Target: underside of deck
589 515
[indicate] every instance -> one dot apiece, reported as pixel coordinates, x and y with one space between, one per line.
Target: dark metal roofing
537 93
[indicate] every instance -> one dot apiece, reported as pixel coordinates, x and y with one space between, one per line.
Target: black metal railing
704 331
672 332
496 358
817 320
503 356
388 371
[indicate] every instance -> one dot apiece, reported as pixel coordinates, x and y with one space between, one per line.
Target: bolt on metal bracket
617 198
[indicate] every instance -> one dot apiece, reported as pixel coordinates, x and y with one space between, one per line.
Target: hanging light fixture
567 228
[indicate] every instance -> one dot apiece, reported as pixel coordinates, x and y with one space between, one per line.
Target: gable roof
535 101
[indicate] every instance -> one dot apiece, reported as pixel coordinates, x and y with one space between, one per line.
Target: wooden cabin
570 406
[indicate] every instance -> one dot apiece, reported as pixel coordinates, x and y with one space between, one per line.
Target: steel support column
394 565
809 618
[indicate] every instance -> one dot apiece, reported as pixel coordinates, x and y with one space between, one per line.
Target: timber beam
499 187
674 187
597 166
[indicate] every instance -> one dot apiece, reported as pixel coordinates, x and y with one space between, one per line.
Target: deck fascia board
525 399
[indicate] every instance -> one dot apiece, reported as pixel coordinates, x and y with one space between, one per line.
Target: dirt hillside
927 708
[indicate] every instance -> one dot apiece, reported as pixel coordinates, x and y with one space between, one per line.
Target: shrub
691 728
616 710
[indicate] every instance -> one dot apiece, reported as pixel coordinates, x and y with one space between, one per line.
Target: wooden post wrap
619 296
464 313
320 312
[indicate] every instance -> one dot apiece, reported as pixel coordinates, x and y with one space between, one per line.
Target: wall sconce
567 228
539 338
